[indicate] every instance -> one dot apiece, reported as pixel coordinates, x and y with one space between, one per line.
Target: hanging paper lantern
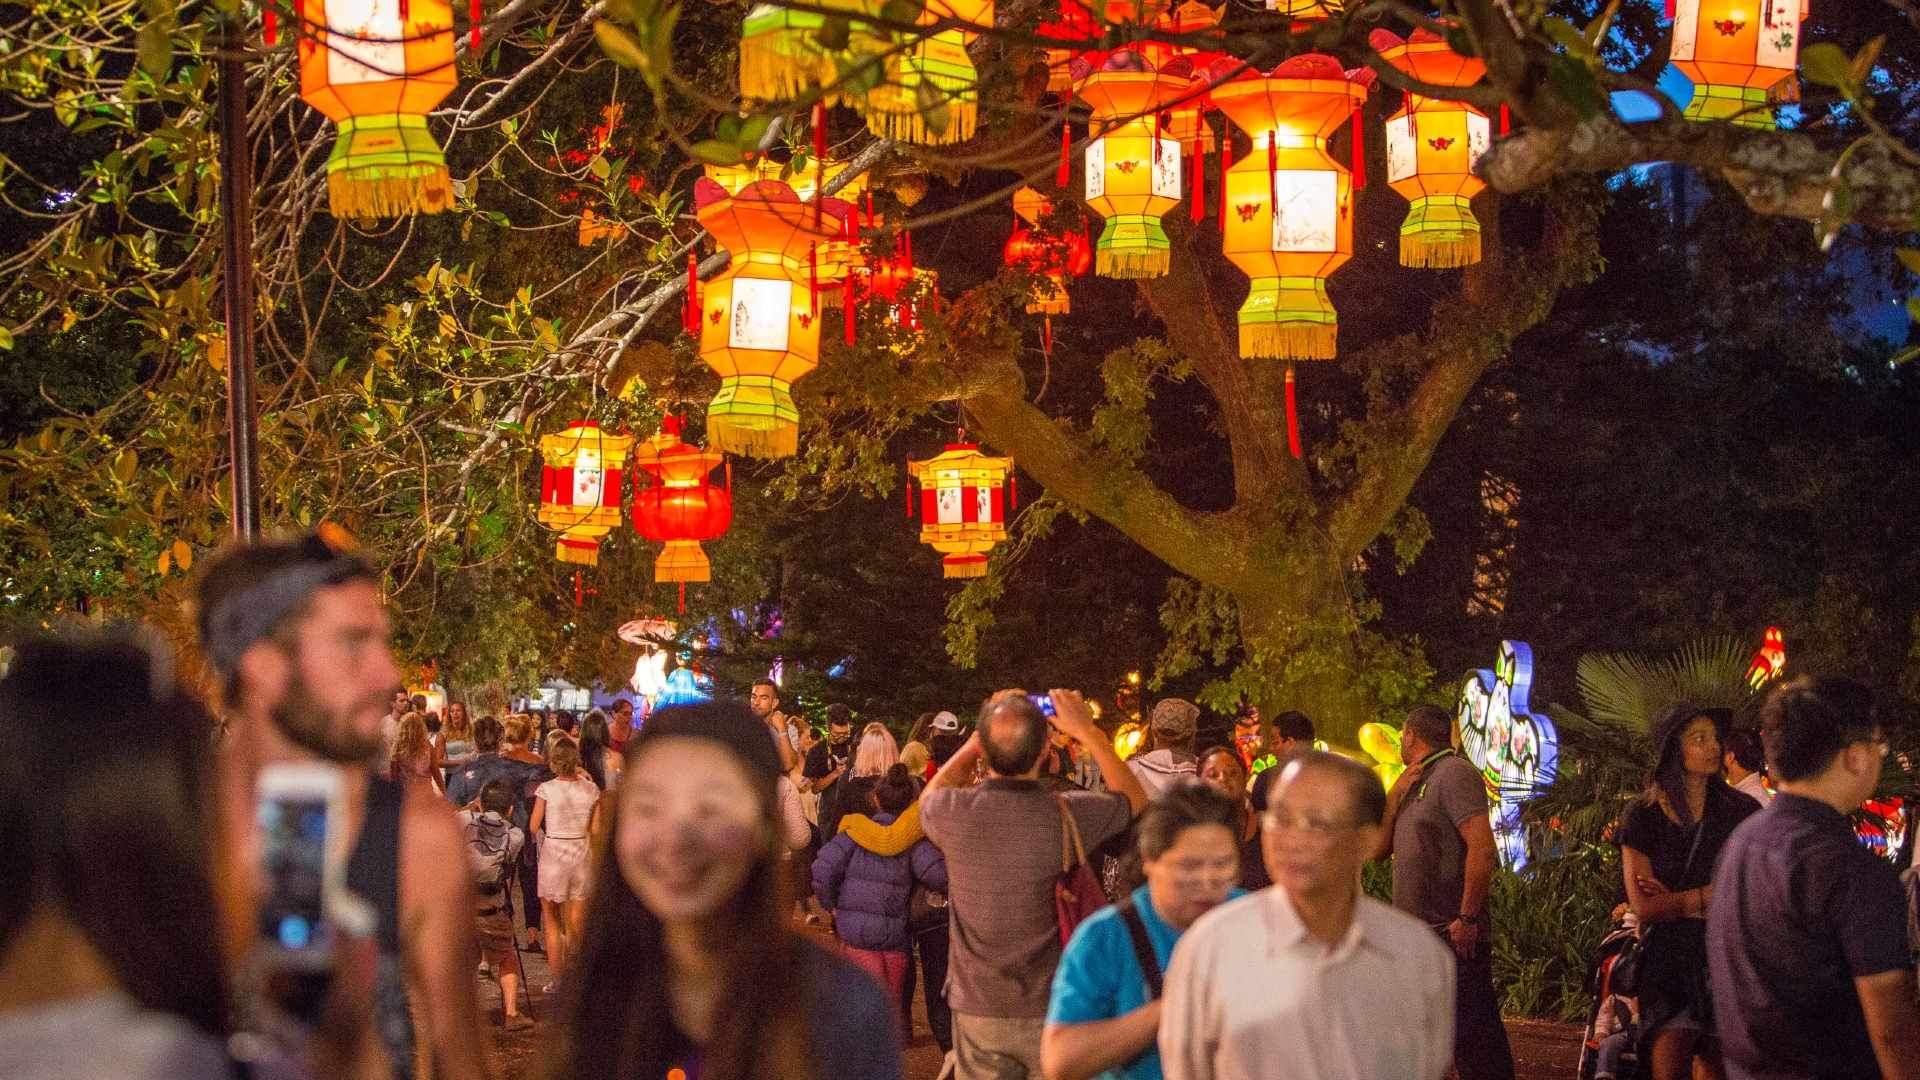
780 52
1432 145
1074 32
1769 660
1132 172
680 508
1053 258
963 506
930 94
761 327
376 68
1288 218
1737 56
580 488
1186 120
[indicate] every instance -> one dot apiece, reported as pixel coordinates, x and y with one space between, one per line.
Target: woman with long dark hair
597 755
688 961
111 904
1668 844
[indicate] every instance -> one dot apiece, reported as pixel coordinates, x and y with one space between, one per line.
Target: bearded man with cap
1170 731
297 634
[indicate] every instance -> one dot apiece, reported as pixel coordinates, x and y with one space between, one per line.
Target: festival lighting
1382 744
1132 171
780 52
1740 54
1128 738
1516 750
1288 214
934 77
760 326
1769 660
1050 257
376 68
1432 145
963 506
580 488
680 508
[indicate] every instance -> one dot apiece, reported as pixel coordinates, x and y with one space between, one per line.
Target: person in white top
1743 757
1310 977
563 817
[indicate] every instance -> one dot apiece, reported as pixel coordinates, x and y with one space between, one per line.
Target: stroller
1612 1020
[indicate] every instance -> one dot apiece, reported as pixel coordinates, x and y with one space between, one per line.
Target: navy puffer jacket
867 893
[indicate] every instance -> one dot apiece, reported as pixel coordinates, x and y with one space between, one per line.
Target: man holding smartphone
297 634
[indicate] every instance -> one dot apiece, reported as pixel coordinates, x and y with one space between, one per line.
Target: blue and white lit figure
1516 749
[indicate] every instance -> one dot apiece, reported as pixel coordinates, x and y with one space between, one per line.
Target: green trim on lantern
779 55
754 415
1288 318
1132 246
1744 106
1440 232
940 63
387 165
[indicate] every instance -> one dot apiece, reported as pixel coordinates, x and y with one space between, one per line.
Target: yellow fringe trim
1289 341
428 191
769 73
1132 264
911 127
1436 253
582 556
967 569
681 573
732 438
1059 304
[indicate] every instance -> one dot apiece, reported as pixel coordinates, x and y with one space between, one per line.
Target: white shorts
563 869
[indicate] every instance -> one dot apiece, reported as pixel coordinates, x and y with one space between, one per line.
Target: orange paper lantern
680 508
580 488
1432 145
1740 54
963 506
1132 170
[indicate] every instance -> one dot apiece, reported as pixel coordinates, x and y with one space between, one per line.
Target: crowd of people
721 893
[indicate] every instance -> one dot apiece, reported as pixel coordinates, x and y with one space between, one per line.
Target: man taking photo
296 632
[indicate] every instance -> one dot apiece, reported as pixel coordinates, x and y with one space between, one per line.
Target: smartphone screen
1043 702
293 831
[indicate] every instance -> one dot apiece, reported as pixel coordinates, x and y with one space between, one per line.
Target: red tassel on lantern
1226 144
908 488
475 16
869 208
1359 151
1669 9
301 43
683 598
269 25
1046 335
1506 120
819 160
1273 172
1013 490
846 308
1293 417
813 275
1064 175
692 309
403 11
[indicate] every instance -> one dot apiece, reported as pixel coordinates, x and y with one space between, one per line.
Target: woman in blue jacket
865 883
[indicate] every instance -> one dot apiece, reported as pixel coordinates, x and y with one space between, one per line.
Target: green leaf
125 465
6 339
715 152
1827 64
1864 60
153 44
1568 37
833 33
752 130
901 11
1913 308
1904 356
1574 83
1909 258
619 45
933 107
599 167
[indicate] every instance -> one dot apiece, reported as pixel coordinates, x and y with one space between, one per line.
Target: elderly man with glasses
1310 977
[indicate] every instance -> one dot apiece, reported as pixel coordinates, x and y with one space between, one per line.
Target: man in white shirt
1743 758
1310 977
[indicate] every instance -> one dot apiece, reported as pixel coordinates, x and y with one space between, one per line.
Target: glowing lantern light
1516 749
1133 174
829 265
1736 56
376 68
1769 661
680 508
435 694
1382 744
1186 121
1432 145
1052 257
963 506
934 77
761 327
580 488
1073 32
1288 219
780 52
1128 738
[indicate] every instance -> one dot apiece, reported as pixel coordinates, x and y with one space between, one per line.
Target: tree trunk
1298 627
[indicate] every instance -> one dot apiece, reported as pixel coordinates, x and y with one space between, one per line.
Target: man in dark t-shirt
1807 930
826 766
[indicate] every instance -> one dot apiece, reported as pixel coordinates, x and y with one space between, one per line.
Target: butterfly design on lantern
1516 750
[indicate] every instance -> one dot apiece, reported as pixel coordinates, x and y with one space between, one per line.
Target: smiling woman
688 962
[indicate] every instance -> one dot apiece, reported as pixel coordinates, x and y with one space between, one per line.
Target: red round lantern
680 508
1053 256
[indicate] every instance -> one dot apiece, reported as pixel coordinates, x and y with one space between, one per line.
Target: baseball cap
1175 718
945 721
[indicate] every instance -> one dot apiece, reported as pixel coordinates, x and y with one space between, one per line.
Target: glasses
1277 821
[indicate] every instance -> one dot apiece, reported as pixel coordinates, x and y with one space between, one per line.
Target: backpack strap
1142 947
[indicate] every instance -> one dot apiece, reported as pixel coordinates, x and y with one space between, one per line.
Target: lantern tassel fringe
1132 264
1289 341
779 442
1433 253
912 127
967 569
771 73
567 553
386 192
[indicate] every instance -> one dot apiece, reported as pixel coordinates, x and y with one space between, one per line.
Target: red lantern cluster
680 508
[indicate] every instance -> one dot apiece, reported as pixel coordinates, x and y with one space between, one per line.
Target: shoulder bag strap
1142 948
1072 852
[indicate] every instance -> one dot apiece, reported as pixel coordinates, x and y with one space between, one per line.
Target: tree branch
1784 173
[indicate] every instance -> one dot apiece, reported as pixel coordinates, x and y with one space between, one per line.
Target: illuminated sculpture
1432 145
933 77
1516 750
1288 218
1382 744
1132 173
376 68
1738 56
760 329
963 506
580 488
1769 660
680 508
